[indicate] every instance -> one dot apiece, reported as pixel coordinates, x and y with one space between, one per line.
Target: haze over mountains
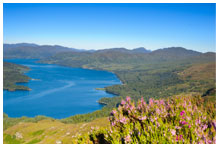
30 50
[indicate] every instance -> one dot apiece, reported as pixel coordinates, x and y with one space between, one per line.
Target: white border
88 1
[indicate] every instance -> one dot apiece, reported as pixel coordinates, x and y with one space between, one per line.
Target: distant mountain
26 50
118 56
176 51
124 50
141 50
121 50
109 56
20 44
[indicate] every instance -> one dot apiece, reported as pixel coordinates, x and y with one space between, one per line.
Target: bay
57 91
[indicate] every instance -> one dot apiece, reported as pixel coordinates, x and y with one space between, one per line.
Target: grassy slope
50 131
12 74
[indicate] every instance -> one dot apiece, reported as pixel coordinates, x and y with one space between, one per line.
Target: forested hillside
32 51
154 74
158 74
12 74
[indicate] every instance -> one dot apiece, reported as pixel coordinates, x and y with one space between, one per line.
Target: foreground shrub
175 120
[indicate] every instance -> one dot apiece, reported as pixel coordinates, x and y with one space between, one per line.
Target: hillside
178 119
159 74
12 74
49 131
143 74
33 51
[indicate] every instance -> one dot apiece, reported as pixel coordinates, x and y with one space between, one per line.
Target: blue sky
98 26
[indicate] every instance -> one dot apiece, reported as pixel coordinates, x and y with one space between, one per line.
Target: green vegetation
39 132
34 141
12 139
8 121
49 131
32 51
178 120
102 130
13 74
158 74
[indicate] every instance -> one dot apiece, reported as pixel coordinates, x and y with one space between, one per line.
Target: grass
39 132
49 131
11 139
34 141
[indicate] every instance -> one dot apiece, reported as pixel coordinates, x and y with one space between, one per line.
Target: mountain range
31 50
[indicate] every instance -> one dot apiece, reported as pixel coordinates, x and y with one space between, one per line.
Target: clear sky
98 26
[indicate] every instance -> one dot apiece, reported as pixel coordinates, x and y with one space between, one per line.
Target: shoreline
101 103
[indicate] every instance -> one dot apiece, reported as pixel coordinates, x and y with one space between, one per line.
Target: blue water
58 92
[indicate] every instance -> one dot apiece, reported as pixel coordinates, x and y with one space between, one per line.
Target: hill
159 74
49 131
12 74
33 51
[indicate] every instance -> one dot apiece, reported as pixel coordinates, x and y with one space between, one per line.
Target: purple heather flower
143 118
173 132
123 120
142 100
113 112
151 101
209 142
111 131
184 105
158 111
197 122
156 101
128 99
182 112
158 124
177 127
162 102
123 102
113 123
128 139
204 127
179 137
139 107
183 122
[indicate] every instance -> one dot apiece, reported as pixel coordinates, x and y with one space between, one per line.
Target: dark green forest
12 74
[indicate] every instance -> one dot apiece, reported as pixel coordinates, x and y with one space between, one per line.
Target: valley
157 74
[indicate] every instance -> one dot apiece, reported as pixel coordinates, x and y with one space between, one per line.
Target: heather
177 120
